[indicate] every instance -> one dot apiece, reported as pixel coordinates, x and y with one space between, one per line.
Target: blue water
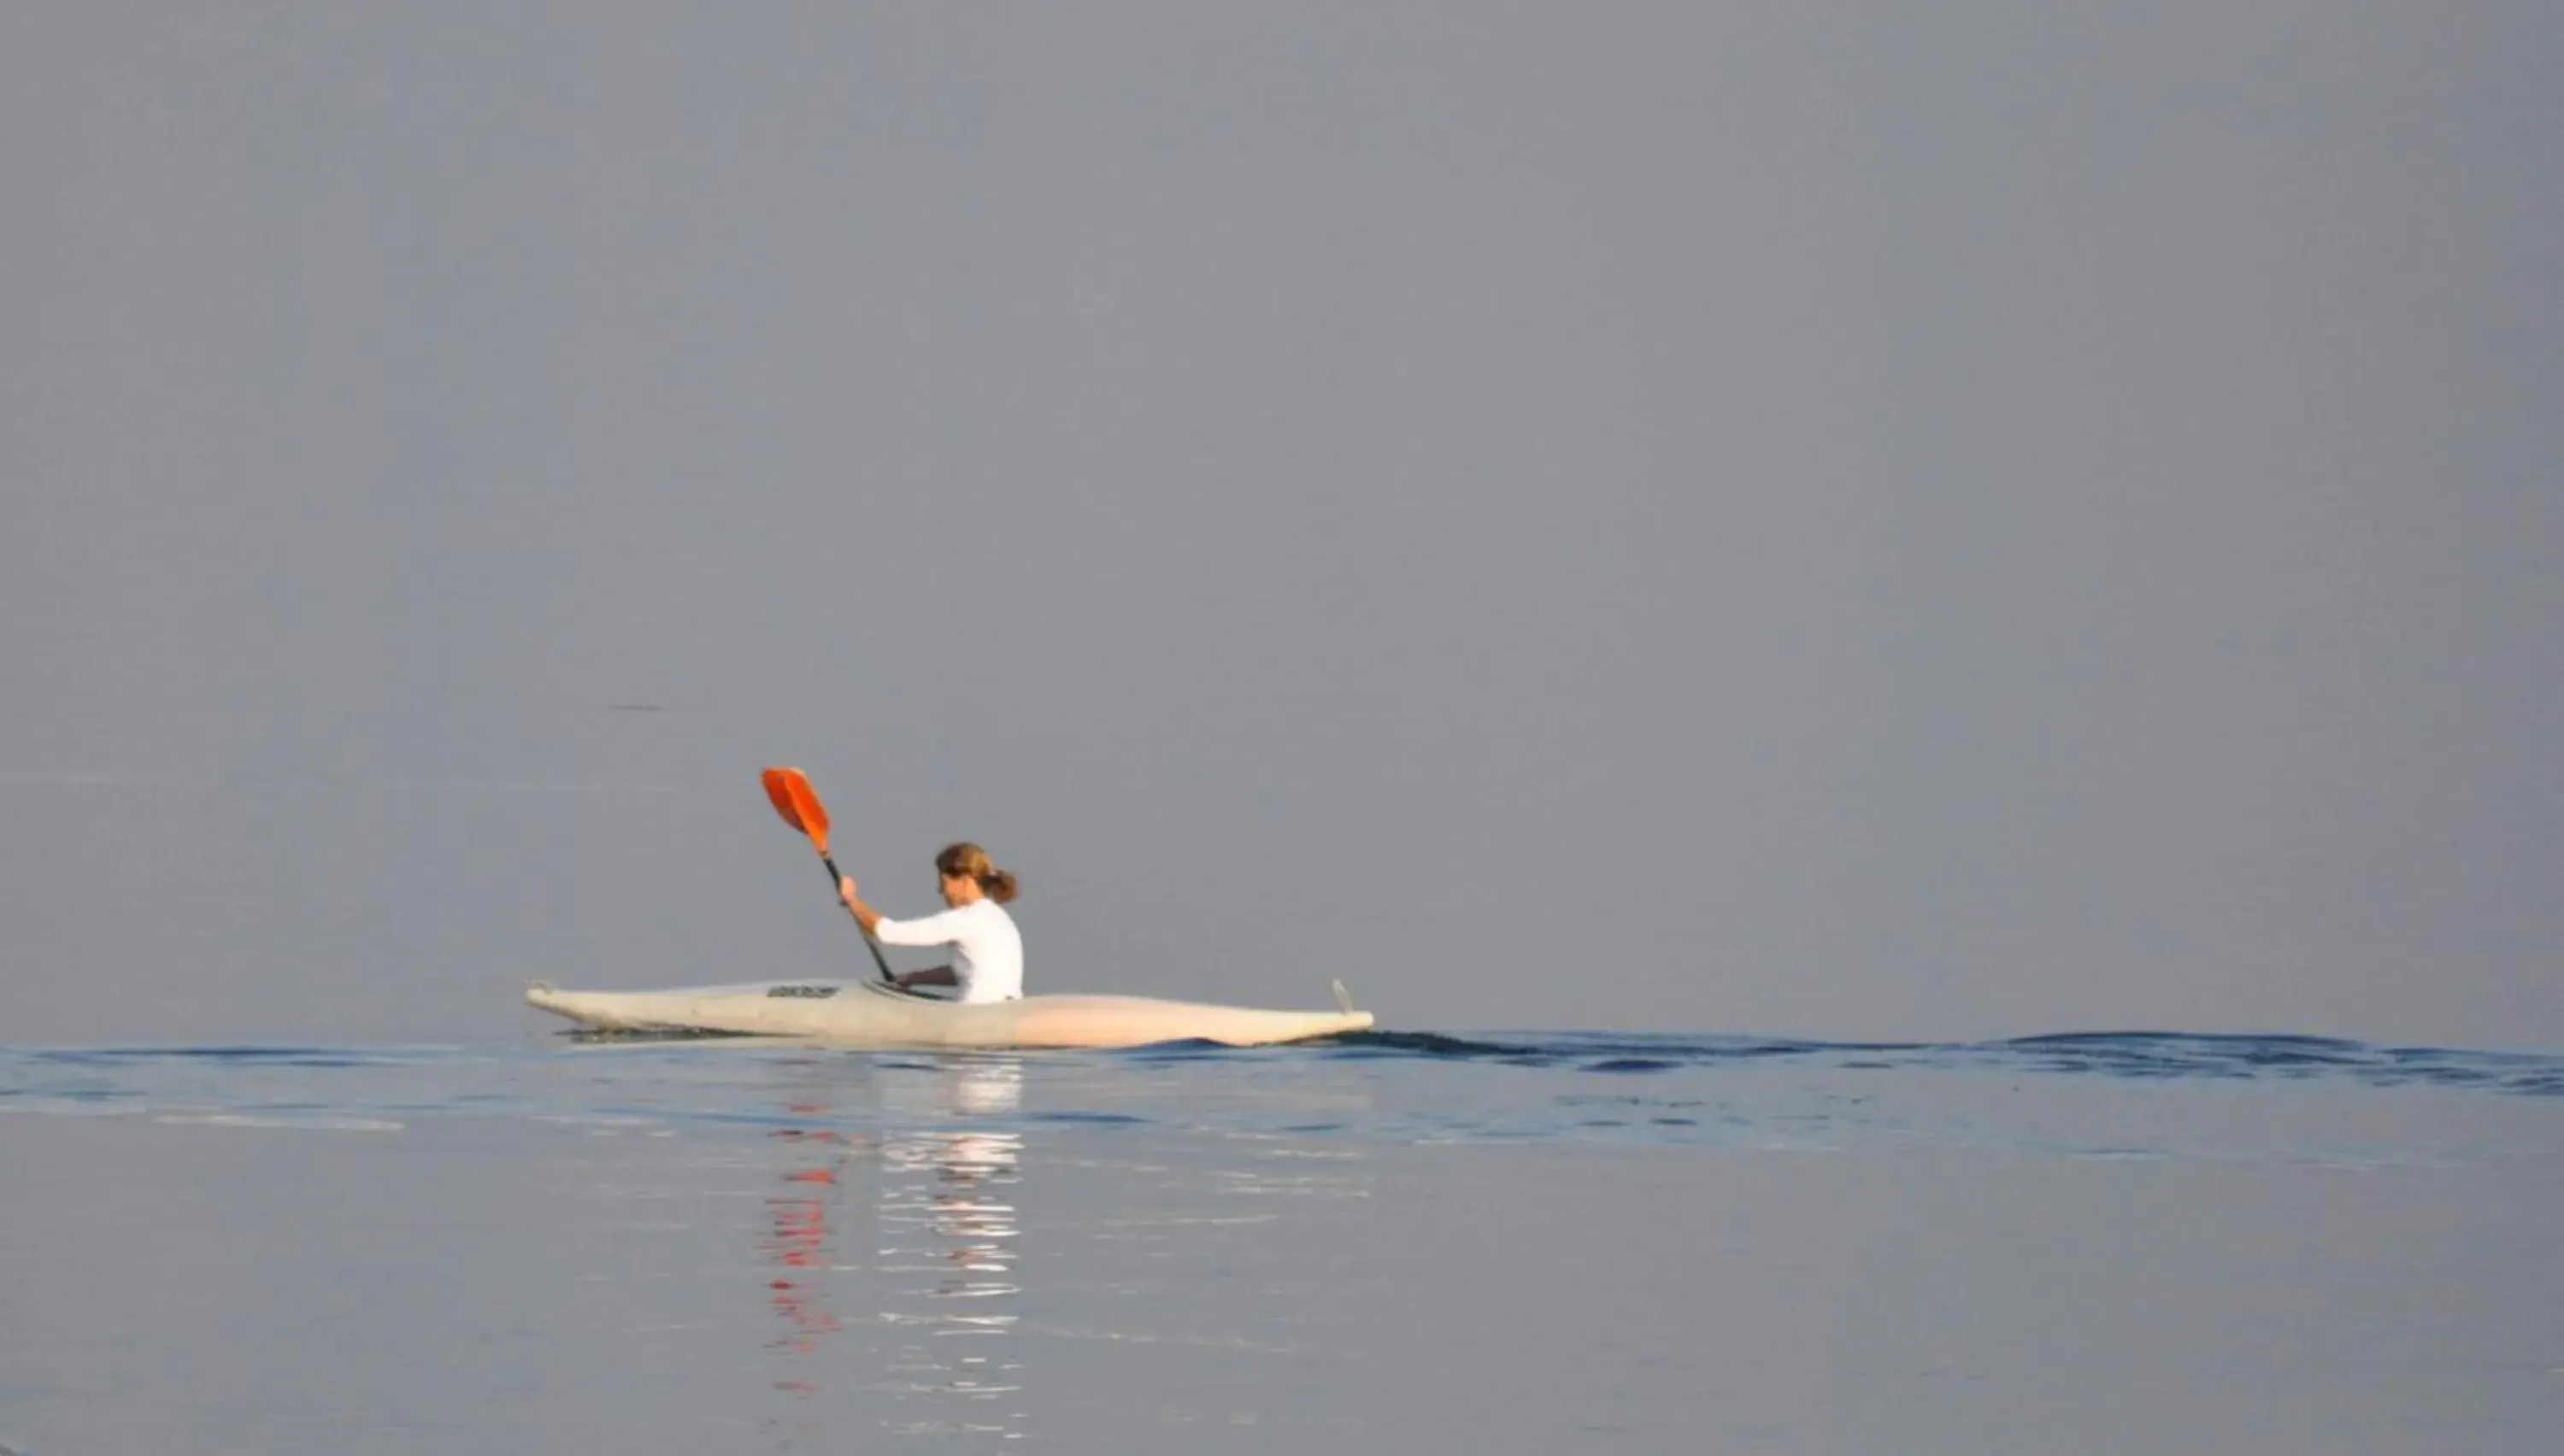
1510 1242
1668 1091
2147 1054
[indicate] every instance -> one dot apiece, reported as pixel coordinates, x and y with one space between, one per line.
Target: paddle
798 803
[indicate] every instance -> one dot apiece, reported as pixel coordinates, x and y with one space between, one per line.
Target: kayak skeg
874 1014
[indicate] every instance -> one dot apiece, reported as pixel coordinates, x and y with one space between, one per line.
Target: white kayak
871 1013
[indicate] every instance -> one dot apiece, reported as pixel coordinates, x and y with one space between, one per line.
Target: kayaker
988 951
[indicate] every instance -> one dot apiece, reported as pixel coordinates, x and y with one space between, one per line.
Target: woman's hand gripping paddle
799 805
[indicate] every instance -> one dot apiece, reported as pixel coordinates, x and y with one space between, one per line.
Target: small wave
2141 1054
1089 1119
240 1055
1418 1044
1726 1090
297 1123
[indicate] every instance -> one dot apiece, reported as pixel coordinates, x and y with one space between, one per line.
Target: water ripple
2085 1094
2147 1055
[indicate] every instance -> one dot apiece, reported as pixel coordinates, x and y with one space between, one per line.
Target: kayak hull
870 1013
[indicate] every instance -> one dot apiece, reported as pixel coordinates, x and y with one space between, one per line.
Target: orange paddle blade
798 803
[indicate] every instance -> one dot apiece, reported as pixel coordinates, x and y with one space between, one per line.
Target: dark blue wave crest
2150 1055
2133 1055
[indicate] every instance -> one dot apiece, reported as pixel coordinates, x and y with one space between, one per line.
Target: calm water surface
1511 1243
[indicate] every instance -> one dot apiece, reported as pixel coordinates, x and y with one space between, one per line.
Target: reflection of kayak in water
869 1013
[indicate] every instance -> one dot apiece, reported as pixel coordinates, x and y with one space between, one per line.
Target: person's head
965 867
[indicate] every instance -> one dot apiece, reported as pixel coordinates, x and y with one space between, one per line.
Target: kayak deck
871 1013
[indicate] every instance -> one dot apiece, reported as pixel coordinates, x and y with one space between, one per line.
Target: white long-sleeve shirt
987 949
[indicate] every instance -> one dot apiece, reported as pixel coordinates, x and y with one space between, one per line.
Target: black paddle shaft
837 878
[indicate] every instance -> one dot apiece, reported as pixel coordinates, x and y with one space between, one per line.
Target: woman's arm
870 919
865 915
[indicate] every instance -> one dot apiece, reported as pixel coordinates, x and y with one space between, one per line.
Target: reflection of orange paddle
799 805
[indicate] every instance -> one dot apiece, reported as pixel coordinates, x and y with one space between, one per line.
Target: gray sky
1822 518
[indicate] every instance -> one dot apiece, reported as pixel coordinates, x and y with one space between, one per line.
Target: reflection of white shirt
987 949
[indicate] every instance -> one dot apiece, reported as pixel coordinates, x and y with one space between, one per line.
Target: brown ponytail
969 861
